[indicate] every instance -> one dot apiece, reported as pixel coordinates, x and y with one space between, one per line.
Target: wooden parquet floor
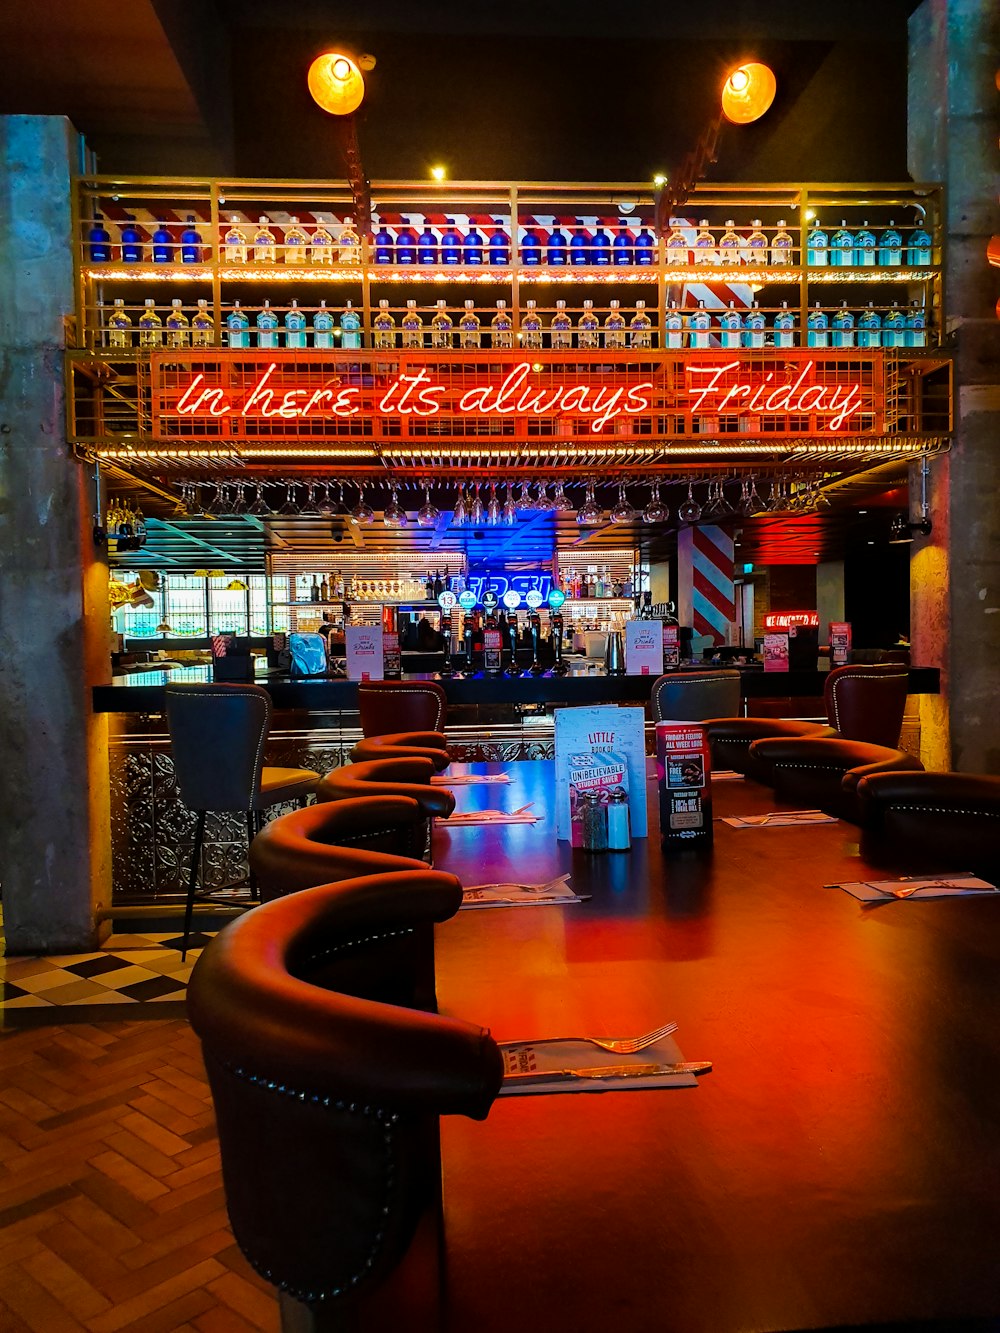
112 1218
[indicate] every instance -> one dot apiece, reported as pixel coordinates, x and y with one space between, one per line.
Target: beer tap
561 667
512 669
536 668
447 669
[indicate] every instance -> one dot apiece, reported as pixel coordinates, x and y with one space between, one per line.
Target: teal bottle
894 328
890 247
869 328
916 326
919 251
817 247
753 327
784 327
323 327
238 326
818 325
350 328
267 327
699 325
842 325
673 327
865 251
841 247
295 327
730 324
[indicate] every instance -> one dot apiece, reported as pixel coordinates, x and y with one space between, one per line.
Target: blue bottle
890 247
784 327
730 324
699 325
600 247
645 247
322 327
350 327
163 245
894 328
131 242
295 327
869 328
580 251
916 326
473 247
817 247
623 251
843 327
451 243
499 248
673 325
865 252
99 242
406 244
557 250
427 246
531 248
919 252
385 246
238 326
190 243
841 247
753 327
818 325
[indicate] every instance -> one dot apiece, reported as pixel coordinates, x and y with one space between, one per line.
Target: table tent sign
364 652
644 647
607 729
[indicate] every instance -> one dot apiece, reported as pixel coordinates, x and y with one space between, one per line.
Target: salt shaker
619 838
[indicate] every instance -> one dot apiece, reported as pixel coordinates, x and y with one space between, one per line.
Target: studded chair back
866 703
401 705
217 735
430 745
692 696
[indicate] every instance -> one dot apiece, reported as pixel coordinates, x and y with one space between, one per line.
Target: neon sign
780 620
773 396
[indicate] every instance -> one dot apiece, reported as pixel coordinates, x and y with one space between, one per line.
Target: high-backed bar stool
392 777
328 1091
932 821
430 745
337 840
691 696
825 772
217 735
866 703
401 705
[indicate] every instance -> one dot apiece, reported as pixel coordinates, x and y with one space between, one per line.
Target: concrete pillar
829 595
705 591
953 127
55 827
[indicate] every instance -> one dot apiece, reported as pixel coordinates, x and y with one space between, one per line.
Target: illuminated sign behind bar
466 396
779 620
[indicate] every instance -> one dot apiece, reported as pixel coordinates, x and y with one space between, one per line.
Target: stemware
525 499
428 514
756 504
290 506
362 511
327 506
461 513
624 511
656 511
509 511
494 511
477 512
217 504
260 505
690 510
561 501
394 515
310 507
542 501
590 512
239 504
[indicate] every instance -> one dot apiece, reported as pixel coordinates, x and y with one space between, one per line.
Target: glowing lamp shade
747 93
336 84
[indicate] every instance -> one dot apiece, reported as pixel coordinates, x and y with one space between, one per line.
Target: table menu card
644 647
364 652
606 728
775 652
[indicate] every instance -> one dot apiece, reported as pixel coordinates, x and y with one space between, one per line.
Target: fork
623 1045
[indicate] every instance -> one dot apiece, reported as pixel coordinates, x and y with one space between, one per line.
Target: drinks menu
364 652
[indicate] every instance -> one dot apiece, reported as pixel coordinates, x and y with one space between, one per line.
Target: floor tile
94 967
28 1002
102 997
43 981
18 968
152 988
126 975
79 989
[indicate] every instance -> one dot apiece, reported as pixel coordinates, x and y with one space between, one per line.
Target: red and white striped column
705 593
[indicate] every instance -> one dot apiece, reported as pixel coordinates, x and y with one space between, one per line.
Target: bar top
143 691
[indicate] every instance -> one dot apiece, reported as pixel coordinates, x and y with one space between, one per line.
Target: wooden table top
840 1165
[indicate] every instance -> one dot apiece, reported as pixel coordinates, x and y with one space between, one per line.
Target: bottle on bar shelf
753 327
588 335
645 247
314 590
321 244
323 327
451 243
916 326
817 247
264 249
817 326
784 327
324 590
557 251
202 326
473 247
531 248
755 246
350 328
442 326
614 328
842 327
429 587
150 326
406 244
622 251
890 247
729 244
502 327
673 327
119 325
385 248
678 251
704 244
383 327
919 249
870 327
267 327
699 324
782 245
865 251
468 327
561 329
295 329
894 327
412 326
730 324
131 242
842 247
580 249
349 243
177 325
641 327
531 328
600 247
499 247
99 241
391 656
238 326
427 245
234 243
190 242
296 243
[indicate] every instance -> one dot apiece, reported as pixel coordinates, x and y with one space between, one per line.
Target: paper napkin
539 1056
959 885
779 819
469 779
466 817
555 892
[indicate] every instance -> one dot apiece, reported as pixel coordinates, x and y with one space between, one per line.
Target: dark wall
877 593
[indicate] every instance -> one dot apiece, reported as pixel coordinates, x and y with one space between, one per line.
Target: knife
610 1071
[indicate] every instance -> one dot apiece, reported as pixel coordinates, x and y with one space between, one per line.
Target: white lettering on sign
791 397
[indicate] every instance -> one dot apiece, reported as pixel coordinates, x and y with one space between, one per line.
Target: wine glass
590 512
461 513
290 506
327 506
362 511
623 511
656 511
428 514
478 510
509 511
690 510
394 515
561 501
494 511
542 501
310 507
525 500
260 505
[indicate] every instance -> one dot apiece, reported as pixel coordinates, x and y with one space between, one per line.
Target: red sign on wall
780 620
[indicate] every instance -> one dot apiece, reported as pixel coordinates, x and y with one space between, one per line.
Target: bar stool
825 772
217 734
404 745
401 705
932 821
691 696
392 777
866 703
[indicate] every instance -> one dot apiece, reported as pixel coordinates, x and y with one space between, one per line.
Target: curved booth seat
730 739
690 696
388 777
430 745
337 840
327 1090
932 821
866 703
388 706
825 772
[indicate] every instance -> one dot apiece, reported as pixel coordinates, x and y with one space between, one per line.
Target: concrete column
55 827
953 127
829 595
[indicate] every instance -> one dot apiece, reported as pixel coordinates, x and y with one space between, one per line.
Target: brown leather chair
328 1091
388 777
932 821
731 739
866 703
691 696
823 772
430 745
338 840
401 705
